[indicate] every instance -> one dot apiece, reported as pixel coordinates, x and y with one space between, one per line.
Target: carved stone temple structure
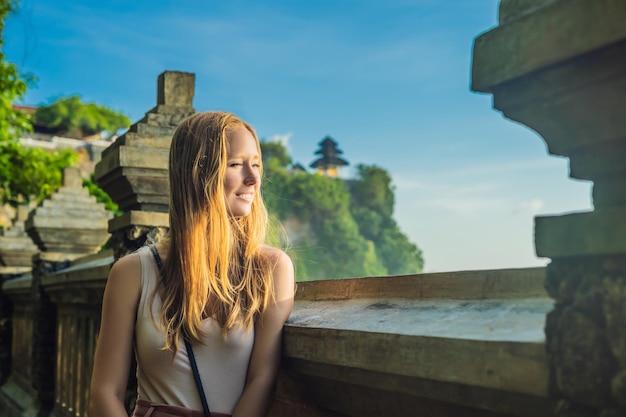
559 67
497 343
133 171
16 252
67 226
16 247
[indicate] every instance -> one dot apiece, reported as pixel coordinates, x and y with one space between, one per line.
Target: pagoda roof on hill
329 154
329 162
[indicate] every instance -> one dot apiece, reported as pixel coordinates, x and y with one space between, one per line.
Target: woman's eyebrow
244 156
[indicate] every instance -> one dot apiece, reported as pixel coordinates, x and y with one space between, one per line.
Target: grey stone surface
600 232
495 320
559 67
71 221
176 88
513 9
133 171
544 36
16 247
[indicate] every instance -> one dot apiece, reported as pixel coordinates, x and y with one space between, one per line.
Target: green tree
372 203
399 255
25 173
69 116
337 228
372 189
101 195
275 155
13 86
28 174
327 243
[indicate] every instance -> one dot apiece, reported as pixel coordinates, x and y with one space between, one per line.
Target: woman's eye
235 164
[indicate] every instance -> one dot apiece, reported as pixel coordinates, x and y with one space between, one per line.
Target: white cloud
405 184
467 199
531 207
283 139
466 205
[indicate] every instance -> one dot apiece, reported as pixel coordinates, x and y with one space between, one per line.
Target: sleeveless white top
163 378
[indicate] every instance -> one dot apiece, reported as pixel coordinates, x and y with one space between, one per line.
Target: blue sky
389 80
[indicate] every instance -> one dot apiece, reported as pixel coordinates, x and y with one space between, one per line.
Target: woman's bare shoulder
128 263
125 274
278 258
283 272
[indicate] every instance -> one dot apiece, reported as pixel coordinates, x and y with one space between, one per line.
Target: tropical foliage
70 117
32 174
13 86
335 228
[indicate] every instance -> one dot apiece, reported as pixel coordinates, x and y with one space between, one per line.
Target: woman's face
243 179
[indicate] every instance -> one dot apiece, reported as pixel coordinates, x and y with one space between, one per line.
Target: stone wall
559 67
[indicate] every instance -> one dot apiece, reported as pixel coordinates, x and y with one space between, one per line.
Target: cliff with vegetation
336 228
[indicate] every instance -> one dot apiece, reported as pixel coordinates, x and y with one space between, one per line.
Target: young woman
219 287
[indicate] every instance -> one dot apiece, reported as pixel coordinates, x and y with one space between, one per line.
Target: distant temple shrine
329 162
297 167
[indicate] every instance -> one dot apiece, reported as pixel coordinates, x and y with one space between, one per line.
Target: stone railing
76 293
19 390
449 344
67 226
458 343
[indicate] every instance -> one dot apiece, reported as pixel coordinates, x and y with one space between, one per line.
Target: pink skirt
149 409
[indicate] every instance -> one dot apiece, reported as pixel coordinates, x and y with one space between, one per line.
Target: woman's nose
252 176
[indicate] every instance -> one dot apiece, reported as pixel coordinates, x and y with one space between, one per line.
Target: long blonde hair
214 265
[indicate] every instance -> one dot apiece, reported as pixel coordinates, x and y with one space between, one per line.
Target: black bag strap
196 375
157 259
192 357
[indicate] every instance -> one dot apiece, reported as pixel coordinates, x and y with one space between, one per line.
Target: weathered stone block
16 247
69 223
135 229
601 232
133 171
176 88
581 359
513 9
135 139
559 67
550 33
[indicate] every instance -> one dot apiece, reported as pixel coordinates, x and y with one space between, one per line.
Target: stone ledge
15 270
519 320
132 156
139 219
463 343
492 344
476 372
84 272
557 32
600 232
144 141
304 387
513 9
15 401
21 284
498 283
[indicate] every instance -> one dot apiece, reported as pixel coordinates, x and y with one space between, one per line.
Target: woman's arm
263 368
115 341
